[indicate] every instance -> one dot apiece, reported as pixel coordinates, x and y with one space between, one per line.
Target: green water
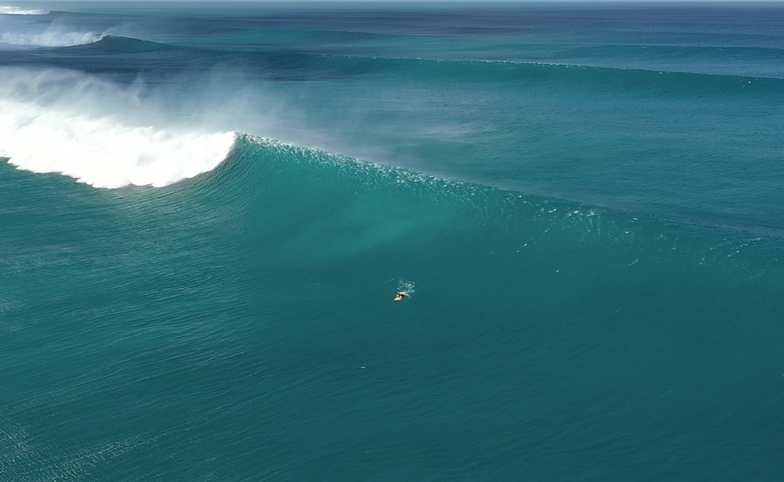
582 202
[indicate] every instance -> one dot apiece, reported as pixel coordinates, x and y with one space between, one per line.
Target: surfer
404 289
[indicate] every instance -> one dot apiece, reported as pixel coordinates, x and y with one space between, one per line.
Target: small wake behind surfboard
404 290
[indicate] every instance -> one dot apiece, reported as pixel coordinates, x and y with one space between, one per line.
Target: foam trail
9 10
64 122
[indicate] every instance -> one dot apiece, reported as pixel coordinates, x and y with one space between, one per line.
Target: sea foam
76 125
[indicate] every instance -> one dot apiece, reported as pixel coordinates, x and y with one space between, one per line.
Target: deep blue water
207 210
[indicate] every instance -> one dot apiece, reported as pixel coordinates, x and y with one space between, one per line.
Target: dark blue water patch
123 54
485 17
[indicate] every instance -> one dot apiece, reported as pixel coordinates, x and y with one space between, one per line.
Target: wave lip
103 152
11 10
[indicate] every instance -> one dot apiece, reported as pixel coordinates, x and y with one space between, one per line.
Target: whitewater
12 10
76 125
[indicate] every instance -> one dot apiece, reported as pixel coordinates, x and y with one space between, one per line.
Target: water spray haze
51 37
55 34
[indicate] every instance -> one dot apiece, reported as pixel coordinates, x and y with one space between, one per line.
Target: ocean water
207 209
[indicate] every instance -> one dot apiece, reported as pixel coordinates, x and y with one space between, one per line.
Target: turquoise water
208 210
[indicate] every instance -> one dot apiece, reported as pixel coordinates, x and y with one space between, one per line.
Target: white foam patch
76 125
9 10
51 38
103 152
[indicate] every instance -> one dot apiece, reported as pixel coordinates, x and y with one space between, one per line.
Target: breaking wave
51 38
10 10
99 133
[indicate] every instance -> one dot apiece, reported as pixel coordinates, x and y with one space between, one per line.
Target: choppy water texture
208 209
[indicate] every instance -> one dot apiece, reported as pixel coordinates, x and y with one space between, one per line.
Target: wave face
583 201
268 283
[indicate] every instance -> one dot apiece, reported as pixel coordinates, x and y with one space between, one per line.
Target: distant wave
98 133
51 38
572 76
104 41
119 44
10 10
